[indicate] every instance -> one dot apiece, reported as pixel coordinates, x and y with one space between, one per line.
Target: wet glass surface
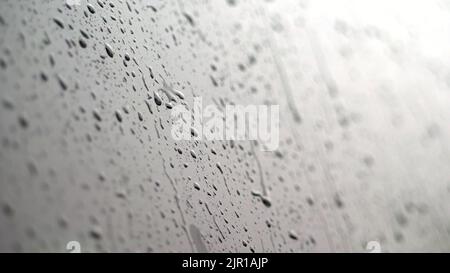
87 155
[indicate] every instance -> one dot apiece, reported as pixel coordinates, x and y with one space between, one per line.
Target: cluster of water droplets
86 147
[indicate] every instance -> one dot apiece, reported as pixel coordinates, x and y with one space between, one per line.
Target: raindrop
293 235
109 50
59 22
118 115
91 8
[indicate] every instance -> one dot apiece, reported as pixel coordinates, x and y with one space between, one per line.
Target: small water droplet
109 50
91 8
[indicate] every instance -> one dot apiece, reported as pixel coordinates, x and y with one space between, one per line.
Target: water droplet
82 43
59 22
293 235
157 98
91 8
118 115
109 50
